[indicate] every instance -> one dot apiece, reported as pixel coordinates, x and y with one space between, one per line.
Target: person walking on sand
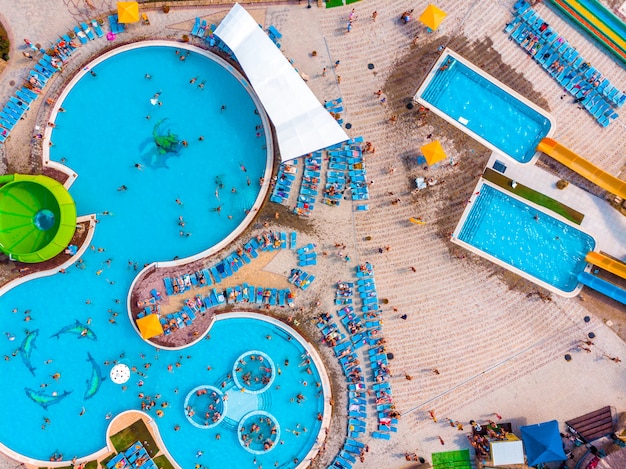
374 16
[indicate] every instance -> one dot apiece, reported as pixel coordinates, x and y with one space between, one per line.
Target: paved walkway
496 345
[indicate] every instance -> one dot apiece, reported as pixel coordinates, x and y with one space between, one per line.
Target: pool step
265 401
475 215
229 424
436 87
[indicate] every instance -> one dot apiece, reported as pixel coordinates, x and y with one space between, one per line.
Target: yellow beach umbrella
127 12
149 326
432 16
433 152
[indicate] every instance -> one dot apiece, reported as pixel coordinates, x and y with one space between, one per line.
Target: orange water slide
606 263
586 169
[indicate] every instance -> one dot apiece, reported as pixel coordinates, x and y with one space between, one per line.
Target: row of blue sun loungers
385 409
348 158
351 450
201 29
244 293
284 180
563 62
307 255
345 351
310 183
301 279
39 75
335 107
232 263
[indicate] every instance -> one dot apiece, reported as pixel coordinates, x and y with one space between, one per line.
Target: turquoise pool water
487 110
530 240
56 386
104 133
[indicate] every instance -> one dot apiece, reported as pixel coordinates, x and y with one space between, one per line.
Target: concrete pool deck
497 346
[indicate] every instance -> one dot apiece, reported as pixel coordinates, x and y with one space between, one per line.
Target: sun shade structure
127 12
505 452
542 443
149 326
432 16
433 152
301 122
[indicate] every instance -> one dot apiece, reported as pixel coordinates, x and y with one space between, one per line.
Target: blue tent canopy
542 443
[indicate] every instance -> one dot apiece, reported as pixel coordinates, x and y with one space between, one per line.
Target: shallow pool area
524 239
64 399
486 109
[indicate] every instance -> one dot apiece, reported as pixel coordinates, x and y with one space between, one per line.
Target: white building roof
302 124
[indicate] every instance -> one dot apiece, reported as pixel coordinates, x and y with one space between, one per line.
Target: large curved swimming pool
169 153
156 198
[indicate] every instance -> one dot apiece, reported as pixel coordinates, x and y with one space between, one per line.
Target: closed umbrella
432 16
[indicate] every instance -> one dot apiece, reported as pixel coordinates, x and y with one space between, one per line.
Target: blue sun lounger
87 30
305 249
347 456
381 436
29 93
97 28
216 275
202 29
82 37
169 289
207 277
273 296
23 96
292 240
220 297
196 27
259 295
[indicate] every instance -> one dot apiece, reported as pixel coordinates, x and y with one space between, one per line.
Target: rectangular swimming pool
524 239
484 108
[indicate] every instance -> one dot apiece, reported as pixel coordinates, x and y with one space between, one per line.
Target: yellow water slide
606 263
567 157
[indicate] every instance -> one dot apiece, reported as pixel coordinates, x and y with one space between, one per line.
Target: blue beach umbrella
542 443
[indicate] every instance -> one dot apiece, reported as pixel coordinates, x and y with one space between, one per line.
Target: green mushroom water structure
37 217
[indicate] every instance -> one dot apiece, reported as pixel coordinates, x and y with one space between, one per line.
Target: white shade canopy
507 452
302 124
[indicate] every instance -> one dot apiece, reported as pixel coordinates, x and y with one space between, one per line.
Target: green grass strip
348 2
162 462
538 198
334 3
133 433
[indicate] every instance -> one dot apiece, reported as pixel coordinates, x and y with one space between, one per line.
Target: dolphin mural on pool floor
43 399
26 349
96 378
78 328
